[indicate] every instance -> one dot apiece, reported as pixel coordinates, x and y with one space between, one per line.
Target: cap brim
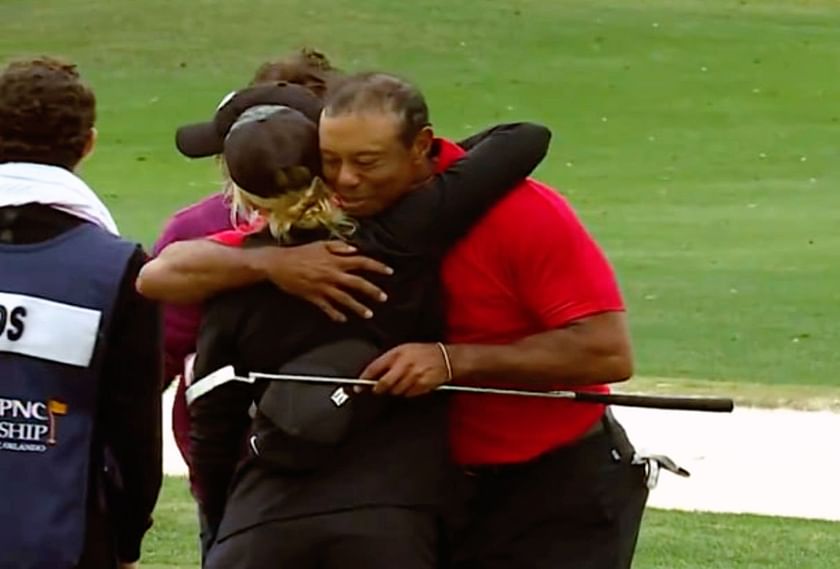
199 140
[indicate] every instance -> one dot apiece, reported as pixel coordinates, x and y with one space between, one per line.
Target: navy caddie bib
56 302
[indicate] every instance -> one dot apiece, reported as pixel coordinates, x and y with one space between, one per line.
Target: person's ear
422 146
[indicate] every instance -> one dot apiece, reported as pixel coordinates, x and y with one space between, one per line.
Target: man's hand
190 272
409 370
134 565
320 273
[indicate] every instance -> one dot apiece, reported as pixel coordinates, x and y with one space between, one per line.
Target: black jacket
402 458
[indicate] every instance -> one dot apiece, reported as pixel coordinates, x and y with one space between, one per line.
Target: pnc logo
29 426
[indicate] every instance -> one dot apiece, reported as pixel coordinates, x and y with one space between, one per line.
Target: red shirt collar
447 153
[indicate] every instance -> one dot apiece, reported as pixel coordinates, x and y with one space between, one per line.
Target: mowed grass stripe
696 138
668 540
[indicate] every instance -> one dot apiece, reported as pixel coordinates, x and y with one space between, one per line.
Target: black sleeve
433 217
219 418
131 410
472 141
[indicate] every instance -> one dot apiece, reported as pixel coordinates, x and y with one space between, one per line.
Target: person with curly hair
307 67
80 353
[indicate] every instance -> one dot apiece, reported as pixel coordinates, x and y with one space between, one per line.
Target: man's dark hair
380 92
306 67
46 113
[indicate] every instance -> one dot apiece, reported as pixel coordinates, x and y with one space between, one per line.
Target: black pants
577 507
365 538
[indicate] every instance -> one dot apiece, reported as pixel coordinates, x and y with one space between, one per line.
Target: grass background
697 138
668 540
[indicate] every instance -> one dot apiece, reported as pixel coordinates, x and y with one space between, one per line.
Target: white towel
24 183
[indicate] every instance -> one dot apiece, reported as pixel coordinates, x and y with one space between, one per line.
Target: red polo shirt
236 237
527 267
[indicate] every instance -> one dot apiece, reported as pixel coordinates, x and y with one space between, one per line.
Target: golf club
708 404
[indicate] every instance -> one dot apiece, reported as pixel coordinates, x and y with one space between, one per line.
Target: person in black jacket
85 362
327 467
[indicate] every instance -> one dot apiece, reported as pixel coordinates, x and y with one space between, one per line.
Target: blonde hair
305 203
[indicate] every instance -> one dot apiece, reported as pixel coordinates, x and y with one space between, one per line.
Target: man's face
365 161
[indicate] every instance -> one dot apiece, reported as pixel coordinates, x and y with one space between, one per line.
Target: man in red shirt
531 302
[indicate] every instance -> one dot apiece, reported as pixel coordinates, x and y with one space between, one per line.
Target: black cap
265 141
260 131
207 138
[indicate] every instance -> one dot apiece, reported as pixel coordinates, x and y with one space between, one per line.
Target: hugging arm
436 215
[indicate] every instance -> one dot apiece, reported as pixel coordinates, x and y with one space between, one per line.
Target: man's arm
590 351
131 412
593 350
563 282
190 272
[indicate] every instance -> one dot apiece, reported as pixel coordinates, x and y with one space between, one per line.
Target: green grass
698 138
173 540
680 540
669 540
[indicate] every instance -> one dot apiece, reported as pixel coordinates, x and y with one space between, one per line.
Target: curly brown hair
307 67
46 112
